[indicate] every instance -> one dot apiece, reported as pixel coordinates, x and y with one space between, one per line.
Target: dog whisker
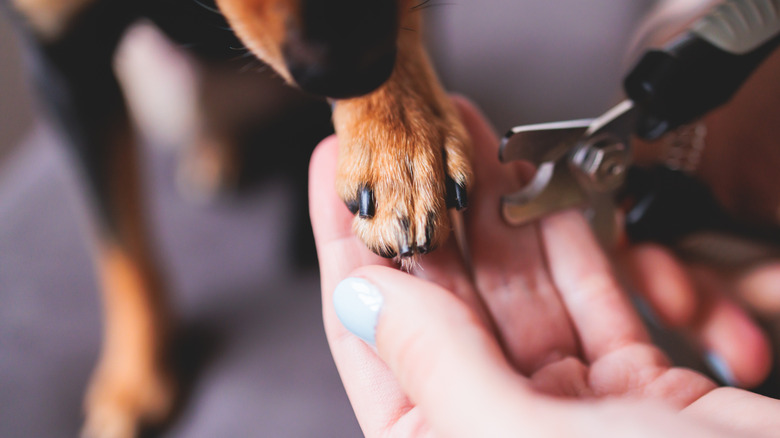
245 55
250 66
420 5
435 6
207 7
426 4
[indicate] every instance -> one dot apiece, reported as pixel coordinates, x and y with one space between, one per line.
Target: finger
736 349
597 305
760 289
662 281
447 268
508 263
747 413
331 220
376 398
442 355
339 251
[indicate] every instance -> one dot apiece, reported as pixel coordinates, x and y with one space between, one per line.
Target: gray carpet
267 373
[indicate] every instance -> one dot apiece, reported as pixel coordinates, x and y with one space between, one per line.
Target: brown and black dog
404 155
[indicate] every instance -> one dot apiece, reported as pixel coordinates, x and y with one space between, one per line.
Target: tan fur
49 18
260 24
393 140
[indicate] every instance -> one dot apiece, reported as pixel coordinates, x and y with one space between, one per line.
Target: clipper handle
704 67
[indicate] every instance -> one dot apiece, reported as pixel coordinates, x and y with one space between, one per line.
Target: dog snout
342 48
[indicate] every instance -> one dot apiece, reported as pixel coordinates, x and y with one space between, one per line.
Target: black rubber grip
689 78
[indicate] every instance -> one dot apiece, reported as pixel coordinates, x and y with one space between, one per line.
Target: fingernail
357 304
647 312
720 368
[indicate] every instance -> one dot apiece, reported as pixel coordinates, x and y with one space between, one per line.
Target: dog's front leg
73 70
404 155
130 385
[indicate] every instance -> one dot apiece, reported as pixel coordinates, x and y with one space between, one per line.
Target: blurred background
252 308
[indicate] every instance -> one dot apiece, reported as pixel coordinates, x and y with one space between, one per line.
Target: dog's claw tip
386 253
353 206
366 203
461 197
457 196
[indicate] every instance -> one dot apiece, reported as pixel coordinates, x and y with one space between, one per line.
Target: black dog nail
461 197
426 247
456 195
406 251
353 205
366 203
386 253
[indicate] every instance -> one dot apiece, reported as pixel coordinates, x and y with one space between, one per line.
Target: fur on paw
401 166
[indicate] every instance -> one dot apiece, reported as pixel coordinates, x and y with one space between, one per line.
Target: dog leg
404 155
130 385
74 72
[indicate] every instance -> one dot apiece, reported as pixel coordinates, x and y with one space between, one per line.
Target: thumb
444 358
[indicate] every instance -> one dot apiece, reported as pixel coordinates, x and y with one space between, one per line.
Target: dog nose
340 77
342 48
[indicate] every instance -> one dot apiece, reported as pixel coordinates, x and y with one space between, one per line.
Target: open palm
537 309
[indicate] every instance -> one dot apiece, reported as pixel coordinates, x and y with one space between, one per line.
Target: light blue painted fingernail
720 368
358 303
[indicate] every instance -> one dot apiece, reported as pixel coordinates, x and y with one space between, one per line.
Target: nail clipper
589 163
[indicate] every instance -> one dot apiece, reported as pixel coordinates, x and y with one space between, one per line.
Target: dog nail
406 251
366 203
461 197
353 206
385 253
425 248
450 186
456 195
405 248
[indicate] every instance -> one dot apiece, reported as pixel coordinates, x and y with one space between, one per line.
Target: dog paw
400 168
119 402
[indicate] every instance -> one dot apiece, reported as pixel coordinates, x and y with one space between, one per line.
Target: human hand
554 323
712 303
